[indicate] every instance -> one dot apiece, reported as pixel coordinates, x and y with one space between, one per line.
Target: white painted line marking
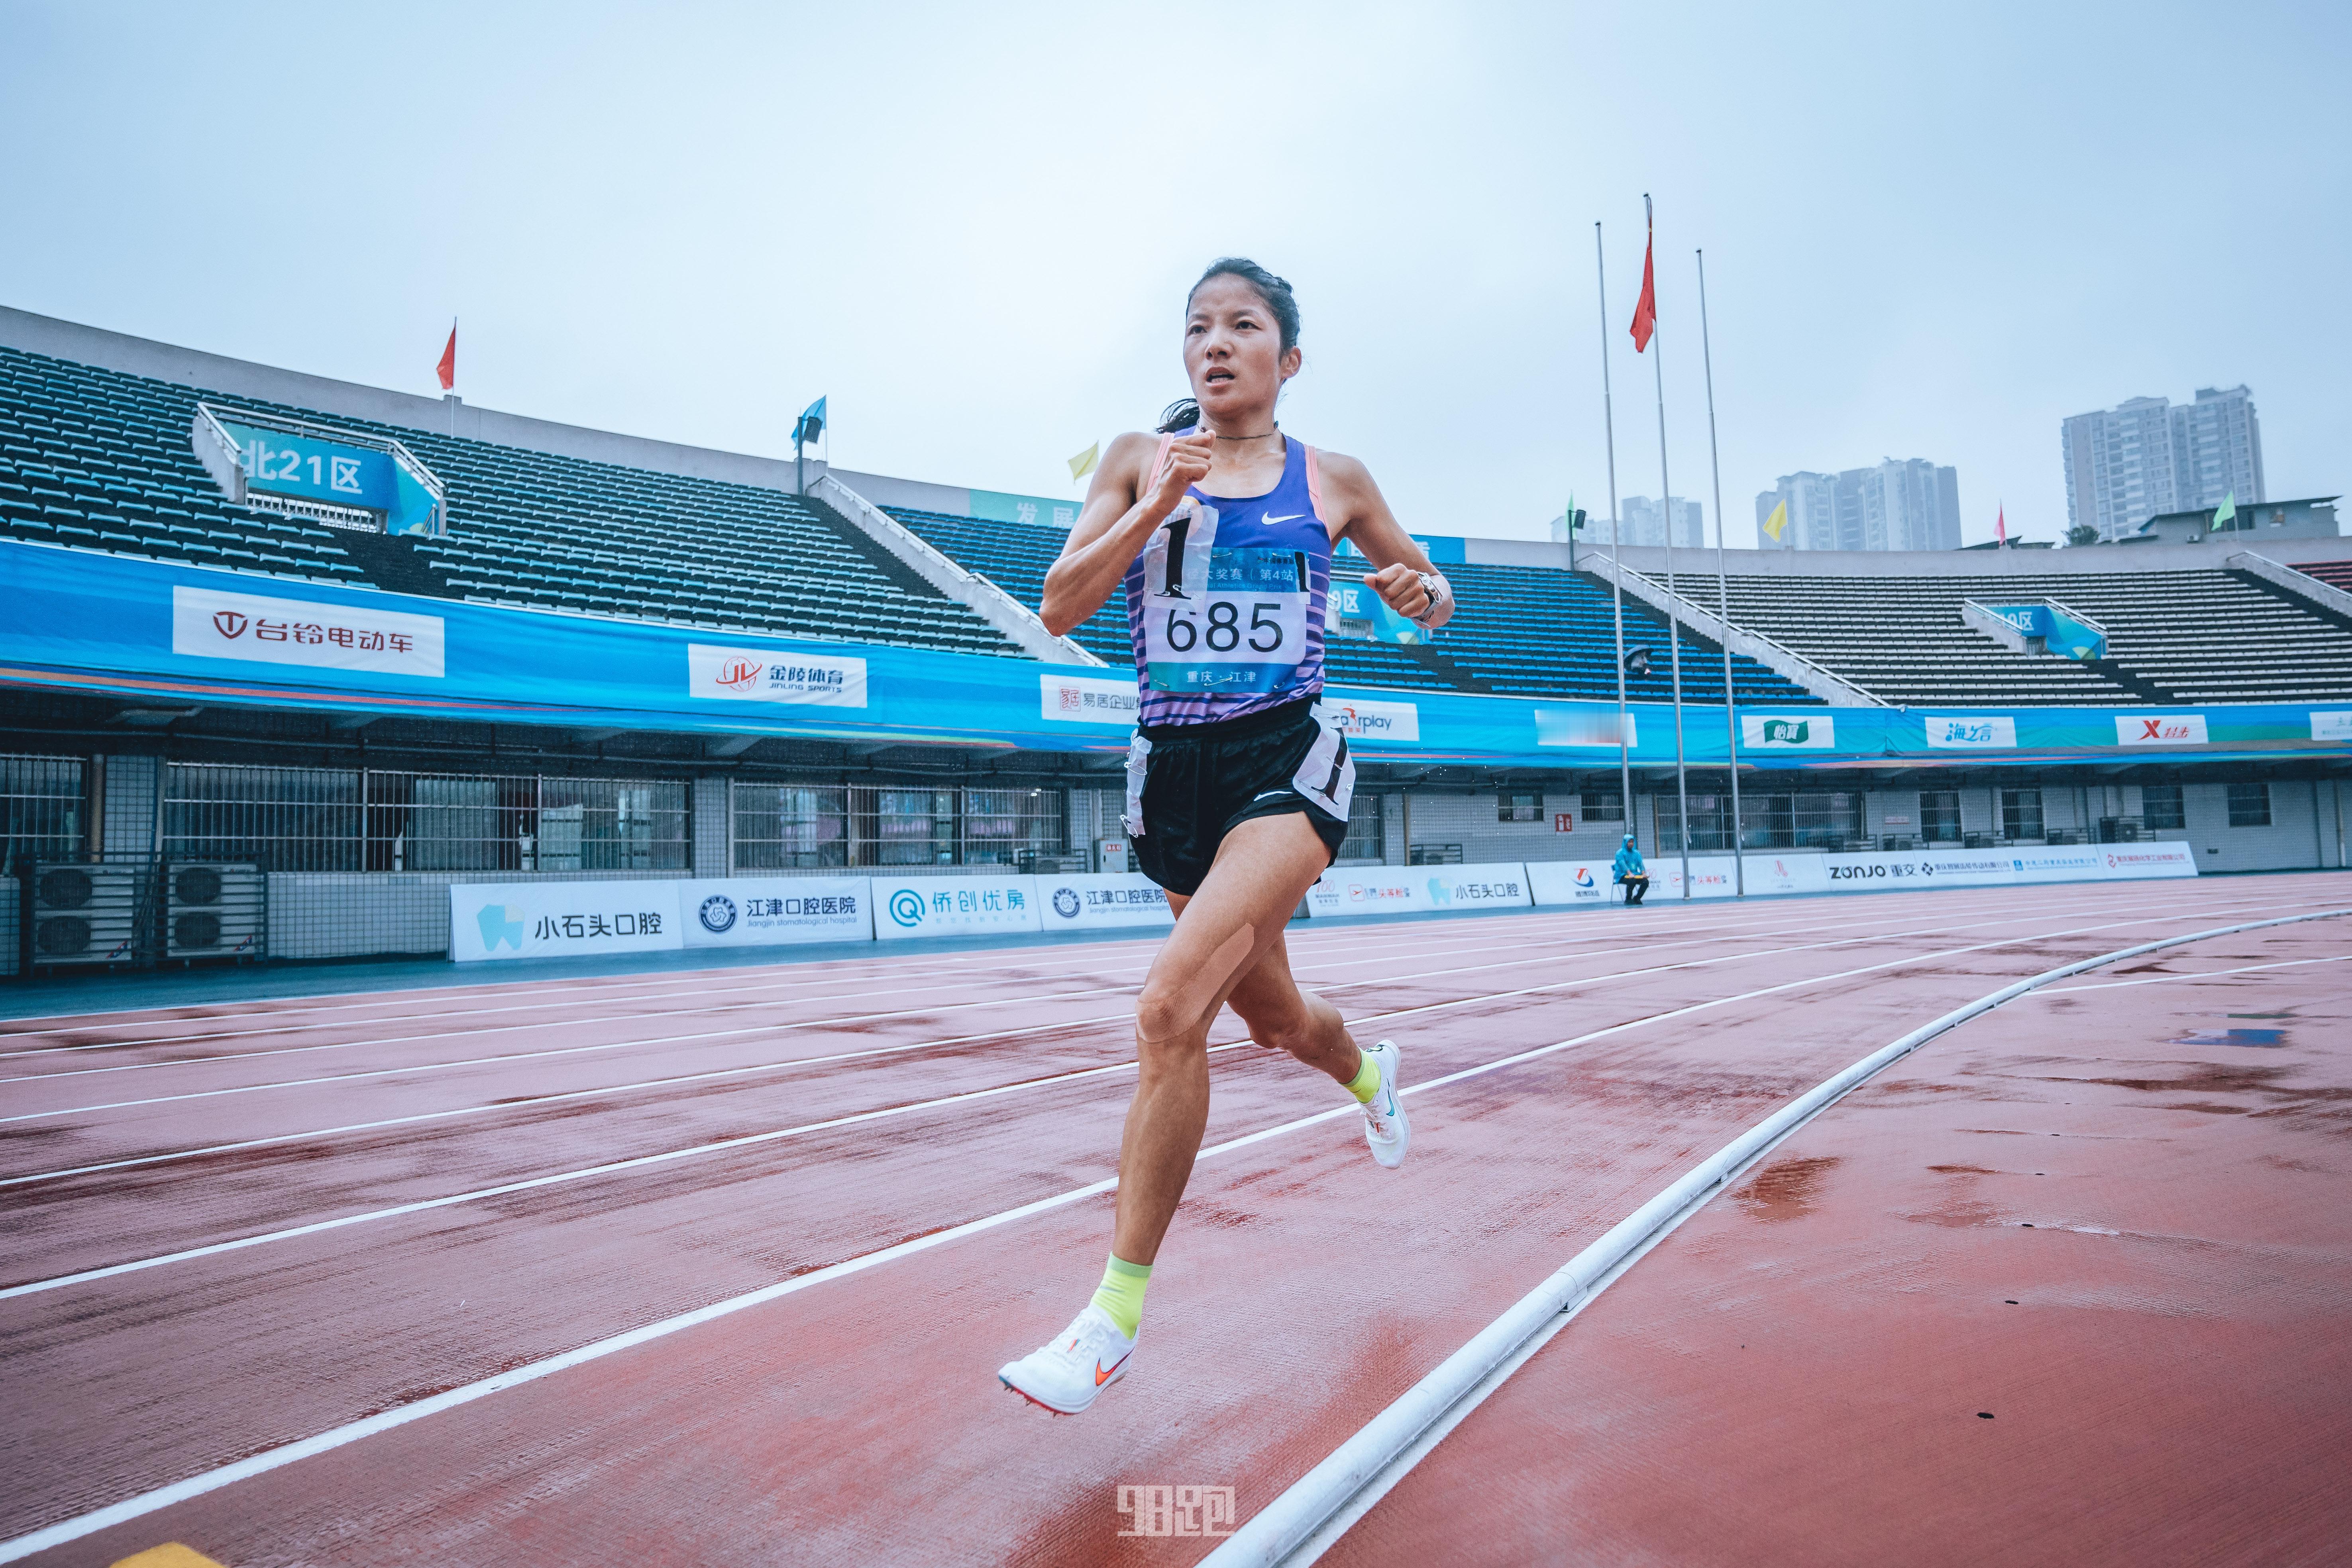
1310 1515
269 1459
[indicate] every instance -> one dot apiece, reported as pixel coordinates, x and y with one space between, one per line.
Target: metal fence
1823 819
373 819
779 827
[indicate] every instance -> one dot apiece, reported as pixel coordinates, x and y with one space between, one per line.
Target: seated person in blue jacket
1627 869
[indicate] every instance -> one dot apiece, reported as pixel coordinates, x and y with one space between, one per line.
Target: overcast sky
1928 233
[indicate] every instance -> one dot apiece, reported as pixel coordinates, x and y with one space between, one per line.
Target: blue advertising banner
90 621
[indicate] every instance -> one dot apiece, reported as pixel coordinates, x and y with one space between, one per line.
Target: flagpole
1616 567
1722 591
1666 509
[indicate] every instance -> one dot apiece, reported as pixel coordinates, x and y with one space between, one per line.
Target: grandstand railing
974 591
1780 661
2302 584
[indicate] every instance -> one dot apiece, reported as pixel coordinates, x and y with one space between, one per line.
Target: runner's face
1233 354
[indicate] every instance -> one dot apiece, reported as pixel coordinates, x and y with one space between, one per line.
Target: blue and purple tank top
1226 600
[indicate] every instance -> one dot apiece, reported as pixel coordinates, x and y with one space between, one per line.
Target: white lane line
763 1028
694 1151
1303 1522
2200 975
418 1117
269 1459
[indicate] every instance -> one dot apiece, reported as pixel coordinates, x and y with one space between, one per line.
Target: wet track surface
668 1142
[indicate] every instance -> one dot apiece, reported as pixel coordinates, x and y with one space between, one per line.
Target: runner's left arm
1402 574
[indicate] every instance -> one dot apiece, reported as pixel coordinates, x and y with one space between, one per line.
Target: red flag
448 365
1646 308
2001 527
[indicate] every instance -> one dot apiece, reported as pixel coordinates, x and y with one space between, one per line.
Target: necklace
1259 436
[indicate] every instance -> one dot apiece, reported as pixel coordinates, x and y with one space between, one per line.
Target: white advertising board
559 919
2058 863
1495 885
1368 890
1419 889
760 911
1919 868
1568 881
2167 860
1785 872
1087 900
953 906
1711 876
211 624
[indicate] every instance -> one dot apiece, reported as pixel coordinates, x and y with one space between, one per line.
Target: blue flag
811 423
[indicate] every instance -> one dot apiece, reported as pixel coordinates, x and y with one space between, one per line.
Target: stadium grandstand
603 598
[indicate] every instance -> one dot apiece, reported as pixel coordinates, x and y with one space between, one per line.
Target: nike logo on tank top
1225 601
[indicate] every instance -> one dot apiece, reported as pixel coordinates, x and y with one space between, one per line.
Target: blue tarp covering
166 633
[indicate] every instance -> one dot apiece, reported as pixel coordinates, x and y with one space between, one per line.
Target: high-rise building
1646 524
1907 503
2131 462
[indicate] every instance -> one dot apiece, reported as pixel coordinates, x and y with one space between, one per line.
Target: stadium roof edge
34 333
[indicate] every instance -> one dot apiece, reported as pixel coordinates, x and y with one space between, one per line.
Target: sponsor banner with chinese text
1085 700
756 675
1815 731
1570 881
953 906
1081 900
90 621
2168 859
560 919
1400 890
2058 863
756 911
2160 730
1973 731
210 624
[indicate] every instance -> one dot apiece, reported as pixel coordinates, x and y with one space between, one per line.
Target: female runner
1222 529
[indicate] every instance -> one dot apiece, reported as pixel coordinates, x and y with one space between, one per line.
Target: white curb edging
1297 1526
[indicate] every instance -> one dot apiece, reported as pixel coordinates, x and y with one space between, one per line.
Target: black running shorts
1200 781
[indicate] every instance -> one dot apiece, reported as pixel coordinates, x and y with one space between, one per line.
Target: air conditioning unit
86 914
214 910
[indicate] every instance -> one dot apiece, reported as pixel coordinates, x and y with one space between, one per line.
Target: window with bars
373 819
2161 810
2021 814
1604 806
1815 819
1939 817
2250 805
790 827
1519 805
1367 829
992 827
42 809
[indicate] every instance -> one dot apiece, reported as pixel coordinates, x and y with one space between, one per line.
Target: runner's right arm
1112 528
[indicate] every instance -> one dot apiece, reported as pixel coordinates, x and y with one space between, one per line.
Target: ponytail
1182 415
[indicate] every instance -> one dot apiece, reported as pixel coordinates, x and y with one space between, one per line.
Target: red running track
478 1179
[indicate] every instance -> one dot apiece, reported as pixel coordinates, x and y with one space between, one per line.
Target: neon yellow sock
1120 1295
1367 1082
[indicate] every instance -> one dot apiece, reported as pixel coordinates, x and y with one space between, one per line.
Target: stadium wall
2096 559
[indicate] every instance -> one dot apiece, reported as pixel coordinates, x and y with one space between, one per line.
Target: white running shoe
1386 1127
1064 1376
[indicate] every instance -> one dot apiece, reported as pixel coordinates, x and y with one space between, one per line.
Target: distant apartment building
1645 522
1905 503
2148 456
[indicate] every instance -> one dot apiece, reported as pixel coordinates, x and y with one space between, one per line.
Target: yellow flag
1084 463
1777 521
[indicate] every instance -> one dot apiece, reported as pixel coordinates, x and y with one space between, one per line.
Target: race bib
1217 620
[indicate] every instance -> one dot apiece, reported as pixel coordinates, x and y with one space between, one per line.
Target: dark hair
1184 412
